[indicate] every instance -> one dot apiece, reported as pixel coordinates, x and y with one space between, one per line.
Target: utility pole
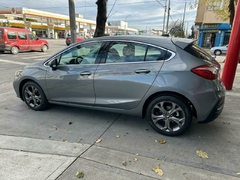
168 16
184 15
72 18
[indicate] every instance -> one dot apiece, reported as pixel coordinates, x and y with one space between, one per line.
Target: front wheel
217 52
44 48
169 115
14 50
34 96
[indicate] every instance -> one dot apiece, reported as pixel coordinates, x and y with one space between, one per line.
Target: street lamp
126 23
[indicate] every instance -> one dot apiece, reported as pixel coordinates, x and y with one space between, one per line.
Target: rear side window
1 34
198 52
22 35
11 35
155 54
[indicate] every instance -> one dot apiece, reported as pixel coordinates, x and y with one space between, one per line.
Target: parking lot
61 141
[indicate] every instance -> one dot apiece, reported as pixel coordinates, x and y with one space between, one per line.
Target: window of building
11 35
22 35
215 5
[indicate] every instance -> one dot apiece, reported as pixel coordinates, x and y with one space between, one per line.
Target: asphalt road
61 141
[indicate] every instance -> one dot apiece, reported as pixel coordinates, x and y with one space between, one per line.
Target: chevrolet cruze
168 81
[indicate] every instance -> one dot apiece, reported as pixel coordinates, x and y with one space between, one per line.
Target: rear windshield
198 52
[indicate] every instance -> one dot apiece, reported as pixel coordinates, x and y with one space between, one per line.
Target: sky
139 14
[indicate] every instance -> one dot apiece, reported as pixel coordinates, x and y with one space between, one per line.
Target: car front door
126 74
33 42
72 80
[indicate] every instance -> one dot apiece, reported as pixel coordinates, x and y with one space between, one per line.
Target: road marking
13 62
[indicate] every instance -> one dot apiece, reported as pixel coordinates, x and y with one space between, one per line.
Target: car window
32 36
1 36
82 54
155 54
11 35
120 52
22 35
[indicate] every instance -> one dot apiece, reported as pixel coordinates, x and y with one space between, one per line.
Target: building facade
212 31
52 25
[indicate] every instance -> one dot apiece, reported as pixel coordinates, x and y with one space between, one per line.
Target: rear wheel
44 48
169 115
217 52
1 52
34 96
14 50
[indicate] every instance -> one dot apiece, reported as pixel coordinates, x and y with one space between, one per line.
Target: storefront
214 35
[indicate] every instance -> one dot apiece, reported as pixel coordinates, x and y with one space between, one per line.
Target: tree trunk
231 9
101 18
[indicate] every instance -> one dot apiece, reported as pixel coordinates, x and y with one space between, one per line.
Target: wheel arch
168 93
22 84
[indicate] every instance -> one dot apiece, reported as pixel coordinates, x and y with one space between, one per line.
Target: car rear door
23 41
72 81
127 72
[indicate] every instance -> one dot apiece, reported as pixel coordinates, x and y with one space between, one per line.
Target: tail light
207 71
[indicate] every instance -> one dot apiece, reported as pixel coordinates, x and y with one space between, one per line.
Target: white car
218 50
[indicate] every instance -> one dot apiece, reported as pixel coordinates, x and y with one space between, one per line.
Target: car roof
15 29
166 42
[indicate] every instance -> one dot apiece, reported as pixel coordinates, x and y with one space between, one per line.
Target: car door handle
86 73
142 71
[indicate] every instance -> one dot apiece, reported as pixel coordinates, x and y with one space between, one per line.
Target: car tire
1 52
44 48
217 52
34 96
169 115
14 50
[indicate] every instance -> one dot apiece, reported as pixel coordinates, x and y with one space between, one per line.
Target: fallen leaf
181 153
80 174
124 163
137 154
135 159
70 123
79 140
202 154
156 158
117 136
64 140
162 141
99 140
55 127
157 170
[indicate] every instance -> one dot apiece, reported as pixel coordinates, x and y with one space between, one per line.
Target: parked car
78 39
166 80
218 50
17 39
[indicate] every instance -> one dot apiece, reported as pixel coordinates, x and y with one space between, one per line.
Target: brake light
207 71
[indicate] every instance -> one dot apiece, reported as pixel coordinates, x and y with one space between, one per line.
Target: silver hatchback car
166 80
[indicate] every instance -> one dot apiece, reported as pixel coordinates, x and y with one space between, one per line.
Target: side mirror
54 64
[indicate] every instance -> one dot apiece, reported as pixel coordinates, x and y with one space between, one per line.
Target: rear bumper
215 112
4 47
